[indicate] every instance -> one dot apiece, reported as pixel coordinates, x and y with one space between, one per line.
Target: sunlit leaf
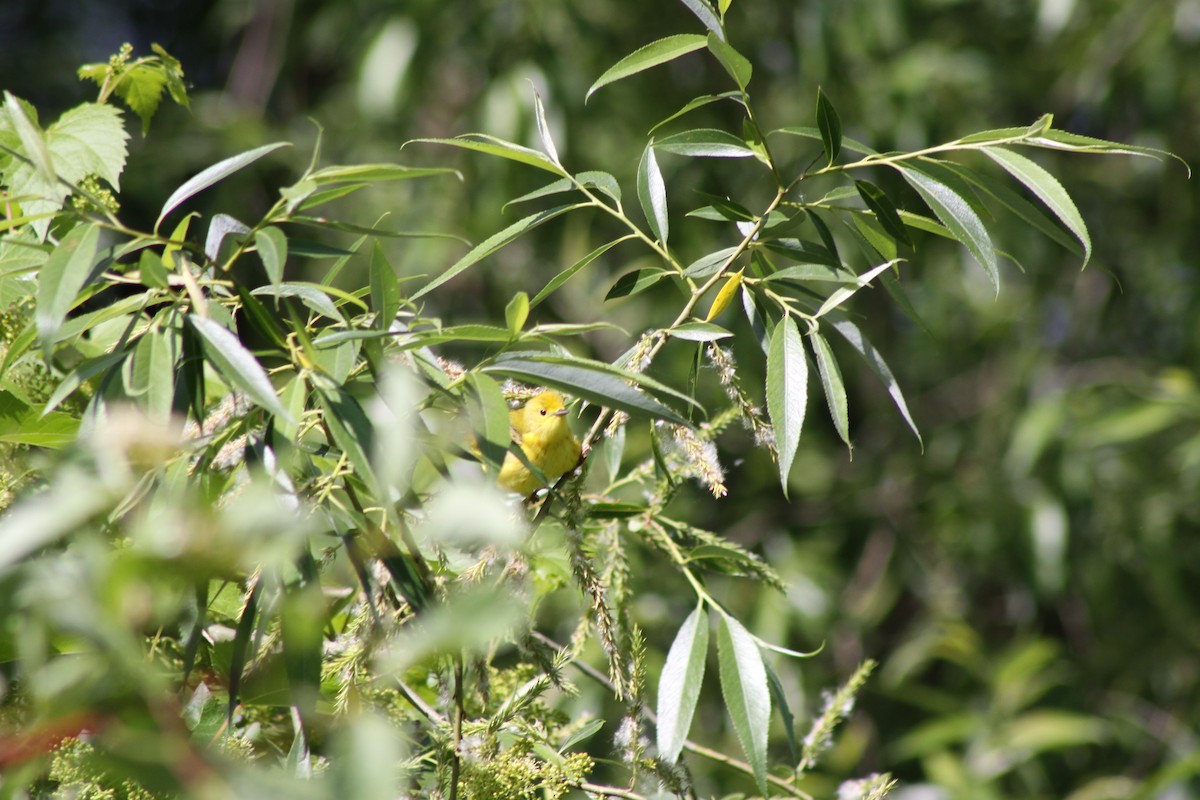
272 249
831 382
217 172
236 364
957 215
653 54
787 392
652 193
1048 190
679 684
705 143
830 126
747 696
63 277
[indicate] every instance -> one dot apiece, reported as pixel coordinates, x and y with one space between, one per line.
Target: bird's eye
542 412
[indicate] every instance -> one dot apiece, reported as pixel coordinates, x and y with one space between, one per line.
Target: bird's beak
562 412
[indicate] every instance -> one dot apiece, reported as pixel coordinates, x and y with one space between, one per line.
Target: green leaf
787 392
680 682
875 361
489 418
599 383
375 173
699 332
543 127
385 289
350 427
694 103
1055 139
830 127
785 712
564 276
312 296
45 517
482 143
813 272
802 251
704 12
635 282
735 63
653 54
141 86
1048 190
844 293
22 424
709 264
652 193
151 270
831 382
705 143
884 210
63 277
236 364
272 249
217 172
153 371
32 140
517 312
957 215
494 243
747 695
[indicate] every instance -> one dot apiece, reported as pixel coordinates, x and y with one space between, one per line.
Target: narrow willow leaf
241 643
385 288
638 379
351 429
312 296
846 292
482 143
680 682
736 64
272 249
704 12
705 143
236 364
725 296
694 103
554 187
153 366
785 712
831 382
544 128
62 278
652 193
787 392
21 423
813 272
564 276
636 282
747 695
213 174
494 243
815 133
516 312
709 264
653 54
1048 190
956 214
374 173
598 383
874 236
1062 140
220 228
755 318
802 251
830 126
858 341
884 210
699 332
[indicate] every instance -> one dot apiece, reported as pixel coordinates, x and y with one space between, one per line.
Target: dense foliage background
1027 582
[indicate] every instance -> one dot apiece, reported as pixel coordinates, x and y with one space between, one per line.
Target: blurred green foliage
1027 583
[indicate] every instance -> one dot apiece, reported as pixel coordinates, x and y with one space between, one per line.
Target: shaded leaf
63 277
635 282
236 364
564 276
884 210
272 249
830 126
831 382
736 64
875 361
385 288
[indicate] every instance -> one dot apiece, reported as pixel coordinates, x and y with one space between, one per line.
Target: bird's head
545 410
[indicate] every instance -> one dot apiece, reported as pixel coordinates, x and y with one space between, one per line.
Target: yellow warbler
540 429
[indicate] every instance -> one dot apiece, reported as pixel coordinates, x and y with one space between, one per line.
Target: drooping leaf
236 364
490 419
680 682
859 342
385 288
957 215
736 64
884 210
710 263
211 175
494 243
1048 190
747 695
704 12
652 193
374 173
653 54
223 227
831 382
635 282
544 129
787 392
272 249
483 143
564 276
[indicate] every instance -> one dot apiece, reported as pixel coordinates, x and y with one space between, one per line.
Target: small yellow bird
540 429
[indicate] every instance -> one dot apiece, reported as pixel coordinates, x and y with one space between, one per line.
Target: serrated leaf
517 312
699 332
830 126
385 289
141 86
564 276
272 249
884 210
652 194
596 382
1048 190
852 334
494 243
680 682
787 392
211 175
705 143
956 214
652 55
747 695
63 277
236 364
483 143
736 64
32 139
831 382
